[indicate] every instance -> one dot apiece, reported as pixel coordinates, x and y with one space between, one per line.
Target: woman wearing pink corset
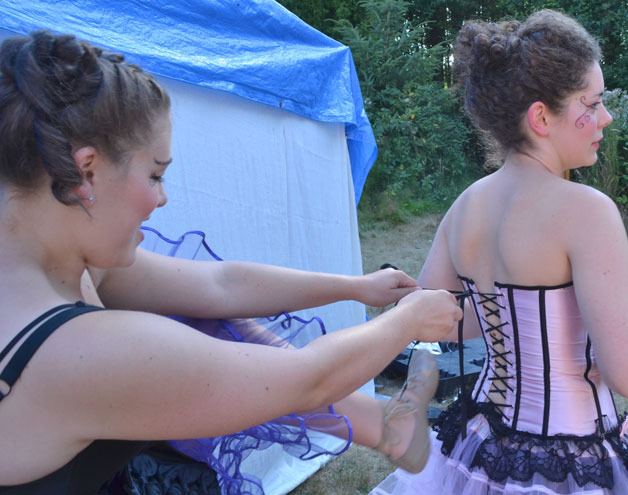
541 264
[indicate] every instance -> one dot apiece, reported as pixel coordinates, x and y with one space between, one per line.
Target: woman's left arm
598 252
227 289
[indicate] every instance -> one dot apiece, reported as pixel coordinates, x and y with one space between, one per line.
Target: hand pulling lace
518 455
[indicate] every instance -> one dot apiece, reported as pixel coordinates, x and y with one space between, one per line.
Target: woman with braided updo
84 144
542 265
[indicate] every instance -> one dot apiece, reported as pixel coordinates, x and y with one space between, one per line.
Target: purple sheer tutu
225 454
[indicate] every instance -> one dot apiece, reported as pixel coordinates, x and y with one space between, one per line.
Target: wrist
359 288
399 320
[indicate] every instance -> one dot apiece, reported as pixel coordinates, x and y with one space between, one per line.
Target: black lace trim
162 471
518 455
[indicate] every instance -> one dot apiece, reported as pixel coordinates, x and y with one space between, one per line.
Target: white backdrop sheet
269 186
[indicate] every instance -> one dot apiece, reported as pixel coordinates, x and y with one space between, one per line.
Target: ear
85 160
538 119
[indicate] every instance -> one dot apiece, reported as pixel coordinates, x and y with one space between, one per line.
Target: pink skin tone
125 196
135 190
580 129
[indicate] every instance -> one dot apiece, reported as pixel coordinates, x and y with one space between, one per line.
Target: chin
123 258
586 163
591 162
129 257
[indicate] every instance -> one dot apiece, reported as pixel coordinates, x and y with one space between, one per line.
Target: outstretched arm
134 375
165 285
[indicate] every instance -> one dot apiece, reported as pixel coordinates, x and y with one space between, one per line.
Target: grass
353 473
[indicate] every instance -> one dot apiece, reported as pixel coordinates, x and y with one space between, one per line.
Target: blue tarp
253 48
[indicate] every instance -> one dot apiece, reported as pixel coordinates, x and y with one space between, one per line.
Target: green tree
606 20
420 130
322 13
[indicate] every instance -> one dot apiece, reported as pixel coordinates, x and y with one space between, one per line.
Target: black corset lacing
518 455
498 356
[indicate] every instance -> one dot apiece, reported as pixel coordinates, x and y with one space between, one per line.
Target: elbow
315 398
617 380
618 386
315 383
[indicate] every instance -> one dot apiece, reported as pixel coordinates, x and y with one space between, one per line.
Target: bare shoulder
474 191
469 202
103 348
100 333
584 209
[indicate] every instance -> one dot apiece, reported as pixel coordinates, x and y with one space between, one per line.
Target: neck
37 259
533 160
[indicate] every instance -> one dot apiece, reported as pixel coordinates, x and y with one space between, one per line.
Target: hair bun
57 93
52 72
71 67
492 44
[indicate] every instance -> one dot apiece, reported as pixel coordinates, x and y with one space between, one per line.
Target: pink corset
540 372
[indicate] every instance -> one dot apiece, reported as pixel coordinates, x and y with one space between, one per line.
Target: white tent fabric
269 186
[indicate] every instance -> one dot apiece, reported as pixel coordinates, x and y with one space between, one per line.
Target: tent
271 144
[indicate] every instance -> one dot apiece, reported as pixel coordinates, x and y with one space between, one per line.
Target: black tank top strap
40 329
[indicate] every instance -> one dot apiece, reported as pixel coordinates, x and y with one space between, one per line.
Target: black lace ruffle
161 470
518 455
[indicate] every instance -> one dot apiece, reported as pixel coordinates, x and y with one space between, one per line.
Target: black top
100 460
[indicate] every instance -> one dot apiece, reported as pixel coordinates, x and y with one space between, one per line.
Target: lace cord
463 421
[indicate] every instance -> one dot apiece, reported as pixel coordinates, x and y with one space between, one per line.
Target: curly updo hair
57 94
505 67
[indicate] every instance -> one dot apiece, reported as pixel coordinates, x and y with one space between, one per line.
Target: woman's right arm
598 252
130 375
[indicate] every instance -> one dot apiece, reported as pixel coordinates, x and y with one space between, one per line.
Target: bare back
524 226
511 227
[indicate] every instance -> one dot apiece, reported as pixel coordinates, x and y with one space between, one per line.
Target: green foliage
321 13
607 20
428 152
418 125
610 174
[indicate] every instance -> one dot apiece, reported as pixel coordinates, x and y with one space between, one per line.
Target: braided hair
57 94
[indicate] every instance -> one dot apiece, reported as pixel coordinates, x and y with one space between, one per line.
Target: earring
91 198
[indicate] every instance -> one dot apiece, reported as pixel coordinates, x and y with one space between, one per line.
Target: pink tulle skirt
452 475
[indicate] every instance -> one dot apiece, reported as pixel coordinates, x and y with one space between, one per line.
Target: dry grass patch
353 473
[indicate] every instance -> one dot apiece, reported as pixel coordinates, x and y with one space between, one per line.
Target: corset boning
540 370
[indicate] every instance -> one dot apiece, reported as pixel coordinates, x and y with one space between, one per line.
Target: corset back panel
540 369
539 419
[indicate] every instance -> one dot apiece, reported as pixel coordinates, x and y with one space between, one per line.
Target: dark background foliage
428 152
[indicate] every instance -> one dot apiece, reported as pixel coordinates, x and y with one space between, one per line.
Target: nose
606 118
163 197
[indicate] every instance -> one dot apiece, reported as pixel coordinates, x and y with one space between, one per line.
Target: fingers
459 314
406 280
386 286
435 313
400 278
